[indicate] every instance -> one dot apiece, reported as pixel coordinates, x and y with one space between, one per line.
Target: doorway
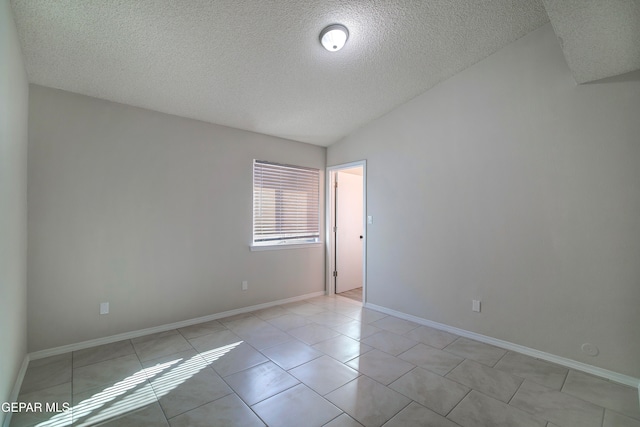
346 230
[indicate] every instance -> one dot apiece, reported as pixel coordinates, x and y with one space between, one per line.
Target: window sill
276 247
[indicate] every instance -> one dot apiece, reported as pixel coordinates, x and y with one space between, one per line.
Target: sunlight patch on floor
135 391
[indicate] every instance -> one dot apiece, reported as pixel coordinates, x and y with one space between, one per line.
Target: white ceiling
599 38
258 65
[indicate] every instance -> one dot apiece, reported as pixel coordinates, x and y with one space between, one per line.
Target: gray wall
150 212
14 95
511 184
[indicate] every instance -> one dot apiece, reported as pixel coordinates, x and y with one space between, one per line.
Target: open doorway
346 230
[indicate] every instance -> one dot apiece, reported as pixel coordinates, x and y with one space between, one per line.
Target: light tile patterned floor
354 294
325 361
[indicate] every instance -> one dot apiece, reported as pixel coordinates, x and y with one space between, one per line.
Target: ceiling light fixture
334 37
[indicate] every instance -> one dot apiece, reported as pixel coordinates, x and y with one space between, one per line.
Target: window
285 204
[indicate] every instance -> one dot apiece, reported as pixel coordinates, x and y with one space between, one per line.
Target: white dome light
334 37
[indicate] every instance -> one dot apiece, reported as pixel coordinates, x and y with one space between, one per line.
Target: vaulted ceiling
259 66
599 38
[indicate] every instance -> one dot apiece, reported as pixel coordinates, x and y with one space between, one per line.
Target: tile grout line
151 385
459 402
403 408
516 392
501 357
458 364
276 394
196 407
565 380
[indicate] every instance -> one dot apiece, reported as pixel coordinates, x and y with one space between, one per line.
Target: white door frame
329 214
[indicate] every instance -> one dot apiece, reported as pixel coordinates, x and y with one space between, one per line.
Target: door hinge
335 229
335 185
335 274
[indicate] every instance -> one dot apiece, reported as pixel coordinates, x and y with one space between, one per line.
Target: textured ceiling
258 65
599 38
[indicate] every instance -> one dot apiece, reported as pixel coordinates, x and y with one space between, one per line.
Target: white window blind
285 204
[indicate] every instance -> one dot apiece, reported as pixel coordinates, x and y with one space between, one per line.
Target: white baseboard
563 361
15 392
162 328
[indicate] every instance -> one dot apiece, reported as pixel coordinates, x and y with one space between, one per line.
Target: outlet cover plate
476 305
104 308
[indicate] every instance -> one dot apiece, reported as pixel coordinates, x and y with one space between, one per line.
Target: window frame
285 242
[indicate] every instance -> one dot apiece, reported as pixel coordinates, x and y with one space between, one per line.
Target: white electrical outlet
370 219
104 308
245 285
475 306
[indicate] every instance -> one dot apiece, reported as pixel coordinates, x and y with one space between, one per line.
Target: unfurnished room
320 213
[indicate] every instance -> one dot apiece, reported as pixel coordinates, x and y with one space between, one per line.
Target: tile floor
354 294
325 361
